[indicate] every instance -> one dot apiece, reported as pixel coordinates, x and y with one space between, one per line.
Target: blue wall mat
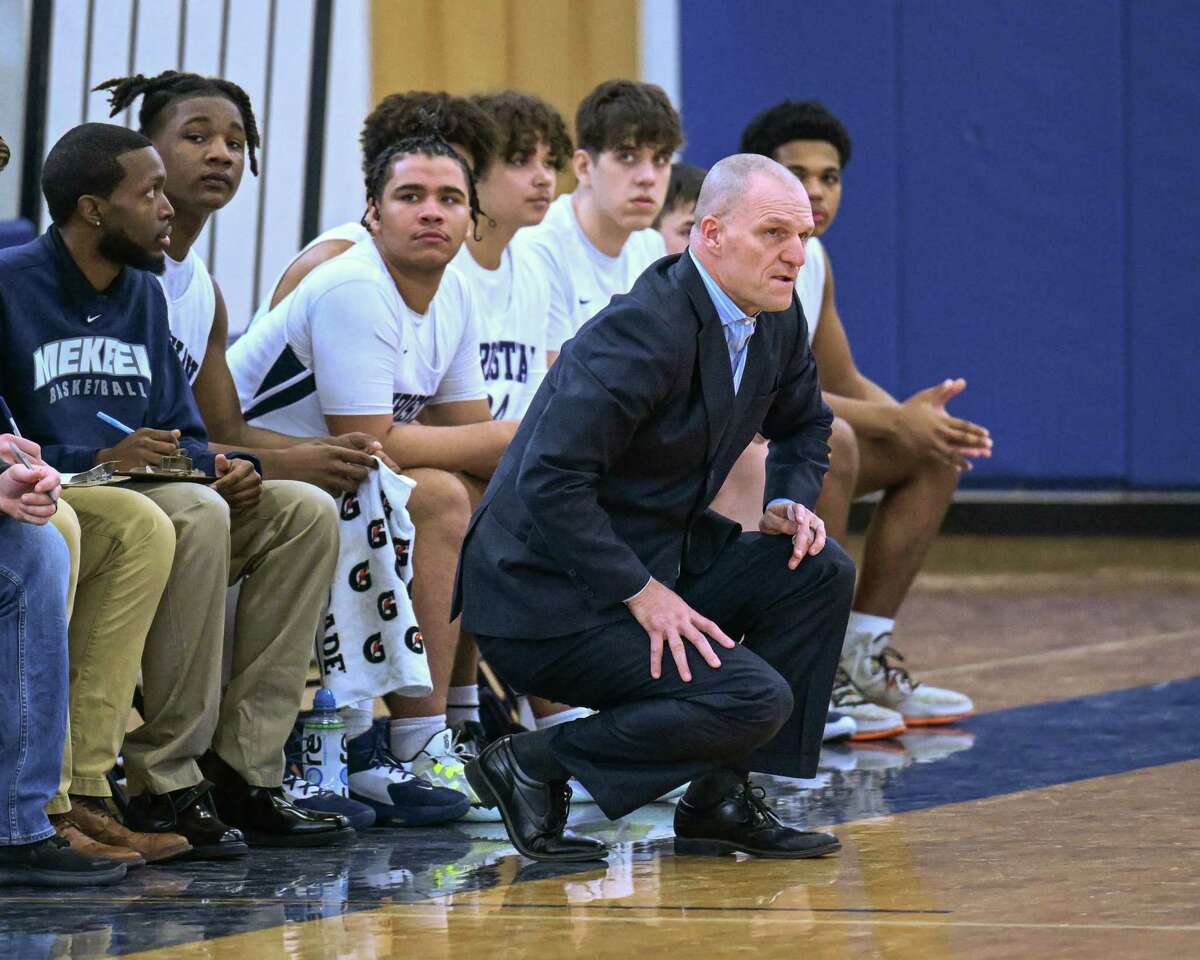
1010 160
999 149
1163 260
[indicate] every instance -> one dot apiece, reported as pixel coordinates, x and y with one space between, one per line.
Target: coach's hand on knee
238 482
807 530
669 621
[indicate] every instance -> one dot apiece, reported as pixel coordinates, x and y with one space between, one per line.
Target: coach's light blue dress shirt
738 327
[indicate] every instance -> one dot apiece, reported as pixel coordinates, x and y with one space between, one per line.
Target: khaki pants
121 548
285 548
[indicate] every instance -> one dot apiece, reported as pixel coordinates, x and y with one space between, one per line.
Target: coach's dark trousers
762 710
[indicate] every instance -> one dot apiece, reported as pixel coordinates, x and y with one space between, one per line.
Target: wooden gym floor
1061 821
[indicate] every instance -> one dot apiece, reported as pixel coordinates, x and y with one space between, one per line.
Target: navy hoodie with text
68 351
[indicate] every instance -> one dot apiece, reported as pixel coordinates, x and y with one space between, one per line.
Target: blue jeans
33 678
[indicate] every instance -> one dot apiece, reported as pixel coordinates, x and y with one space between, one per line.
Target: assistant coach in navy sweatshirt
593 552
83 328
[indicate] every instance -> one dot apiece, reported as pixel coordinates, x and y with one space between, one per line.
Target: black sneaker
52 863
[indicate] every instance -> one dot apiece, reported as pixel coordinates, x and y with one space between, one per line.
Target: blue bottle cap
324 700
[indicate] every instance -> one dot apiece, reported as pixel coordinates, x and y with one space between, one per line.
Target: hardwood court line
579 913
705 908
1062 653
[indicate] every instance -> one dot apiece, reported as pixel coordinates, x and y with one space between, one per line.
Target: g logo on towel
401 547
350 507
414 641
373 649
376 534
387 605
360 577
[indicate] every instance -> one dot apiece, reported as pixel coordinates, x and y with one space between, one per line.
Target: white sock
357 719
575 713
868 624
462 703
409 734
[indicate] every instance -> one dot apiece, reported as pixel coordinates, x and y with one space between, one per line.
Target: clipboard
149 475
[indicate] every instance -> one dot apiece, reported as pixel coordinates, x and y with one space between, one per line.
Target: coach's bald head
753 219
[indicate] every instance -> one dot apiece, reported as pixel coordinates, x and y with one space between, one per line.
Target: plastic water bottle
325 745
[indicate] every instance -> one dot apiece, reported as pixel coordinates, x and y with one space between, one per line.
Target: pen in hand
9 417
25 461
114 422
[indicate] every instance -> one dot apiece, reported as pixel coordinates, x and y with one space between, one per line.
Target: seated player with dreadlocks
204 128
459 122
384 339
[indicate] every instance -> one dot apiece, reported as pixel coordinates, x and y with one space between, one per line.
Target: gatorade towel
371 644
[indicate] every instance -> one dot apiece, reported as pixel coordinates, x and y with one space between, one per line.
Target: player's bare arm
305 264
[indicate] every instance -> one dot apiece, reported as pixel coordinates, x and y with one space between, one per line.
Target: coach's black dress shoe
267 816
189 812
742 822
534 812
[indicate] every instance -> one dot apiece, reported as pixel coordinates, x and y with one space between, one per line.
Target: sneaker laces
462 746
382 756
894 675
301 788
845 693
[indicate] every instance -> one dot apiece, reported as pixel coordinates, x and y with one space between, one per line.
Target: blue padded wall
1020 208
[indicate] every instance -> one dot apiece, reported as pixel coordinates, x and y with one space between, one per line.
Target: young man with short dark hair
913 451
596 241
384 339
396 117
511 295
678 214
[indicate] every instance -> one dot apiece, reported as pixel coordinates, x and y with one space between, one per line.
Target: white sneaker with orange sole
873 666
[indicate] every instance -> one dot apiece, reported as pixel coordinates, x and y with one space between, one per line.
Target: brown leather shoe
81 843
93 818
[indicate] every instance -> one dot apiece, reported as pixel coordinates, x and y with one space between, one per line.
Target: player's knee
440 502
843 454
942 478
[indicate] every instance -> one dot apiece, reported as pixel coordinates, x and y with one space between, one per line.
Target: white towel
371 644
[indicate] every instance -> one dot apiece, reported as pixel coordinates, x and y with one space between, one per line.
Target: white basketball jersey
191 308
512 303
351 232
810 284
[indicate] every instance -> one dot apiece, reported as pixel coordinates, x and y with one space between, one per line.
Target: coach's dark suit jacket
608 480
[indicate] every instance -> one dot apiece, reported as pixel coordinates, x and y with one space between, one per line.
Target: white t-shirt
344 343
582 279
810 284
191 308
512 303
353 232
